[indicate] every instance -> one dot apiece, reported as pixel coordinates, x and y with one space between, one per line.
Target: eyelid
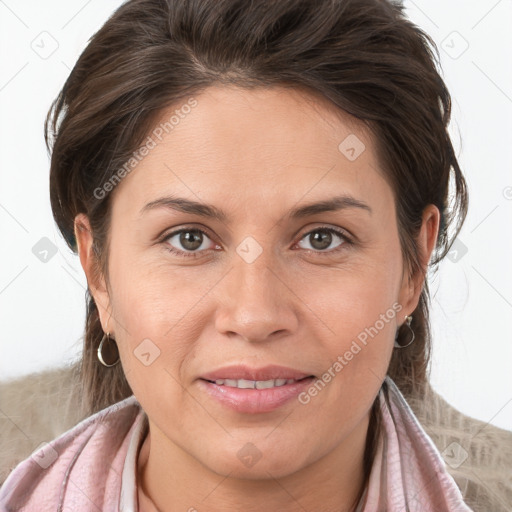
174 231
347 235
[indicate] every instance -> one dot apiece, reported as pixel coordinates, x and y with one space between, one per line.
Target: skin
255 154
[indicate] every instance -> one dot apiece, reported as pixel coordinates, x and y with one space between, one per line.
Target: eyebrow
209 211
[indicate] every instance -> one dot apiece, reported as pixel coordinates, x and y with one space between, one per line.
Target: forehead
236 144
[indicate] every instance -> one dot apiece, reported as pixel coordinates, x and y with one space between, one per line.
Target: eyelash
341 233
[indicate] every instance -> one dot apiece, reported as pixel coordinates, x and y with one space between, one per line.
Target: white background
42 305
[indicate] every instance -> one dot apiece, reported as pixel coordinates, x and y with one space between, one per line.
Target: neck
170 479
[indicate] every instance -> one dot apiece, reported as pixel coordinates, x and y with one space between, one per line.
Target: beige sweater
39 407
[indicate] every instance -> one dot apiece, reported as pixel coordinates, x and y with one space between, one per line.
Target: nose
255 302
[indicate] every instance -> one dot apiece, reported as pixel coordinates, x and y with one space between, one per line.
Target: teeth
253 384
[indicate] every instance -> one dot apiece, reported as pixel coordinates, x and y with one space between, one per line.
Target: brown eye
321 239
190 240
187 242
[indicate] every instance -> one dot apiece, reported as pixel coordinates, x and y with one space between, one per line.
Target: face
318 292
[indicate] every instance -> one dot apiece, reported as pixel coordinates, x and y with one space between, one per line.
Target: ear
412 286
90 264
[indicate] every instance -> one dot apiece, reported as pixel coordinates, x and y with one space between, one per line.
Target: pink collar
408 472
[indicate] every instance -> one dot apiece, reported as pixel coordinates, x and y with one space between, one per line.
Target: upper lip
270 372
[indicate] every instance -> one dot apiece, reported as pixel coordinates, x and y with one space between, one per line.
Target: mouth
254 391
246 375
256 384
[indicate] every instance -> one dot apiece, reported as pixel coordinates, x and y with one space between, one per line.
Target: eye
191 240
321 238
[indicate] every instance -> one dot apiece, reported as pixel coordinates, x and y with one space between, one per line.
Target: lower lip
255 401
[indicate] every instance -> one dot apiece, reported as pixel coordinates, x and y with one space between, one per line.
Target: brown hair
362 55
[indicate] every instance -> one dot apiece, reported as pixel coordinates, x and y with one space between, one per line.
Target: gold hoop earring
109 352
408 320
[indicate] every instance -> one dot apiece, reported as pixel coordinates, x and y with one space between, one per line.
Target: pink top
93 466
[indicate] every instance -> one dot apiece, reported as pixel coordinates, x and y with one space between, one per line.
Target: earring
109 352
408 320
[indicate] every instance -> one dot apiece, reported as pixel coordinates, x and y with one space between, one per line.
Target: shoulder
60 471
478 455
36 408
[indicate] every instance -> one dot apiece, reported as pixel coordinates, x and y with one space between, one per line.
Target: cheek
353 298
145 307
161 317
361 309
362 316
151 295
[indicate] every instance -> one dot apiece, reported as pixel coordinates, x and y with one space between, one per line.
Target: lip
269 372
255 401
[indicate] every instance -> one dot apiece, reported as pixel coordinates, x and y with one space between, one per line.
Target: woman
256 191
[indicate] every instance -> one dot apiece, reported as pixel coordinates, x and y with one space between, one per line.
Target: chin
253 461
261 470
